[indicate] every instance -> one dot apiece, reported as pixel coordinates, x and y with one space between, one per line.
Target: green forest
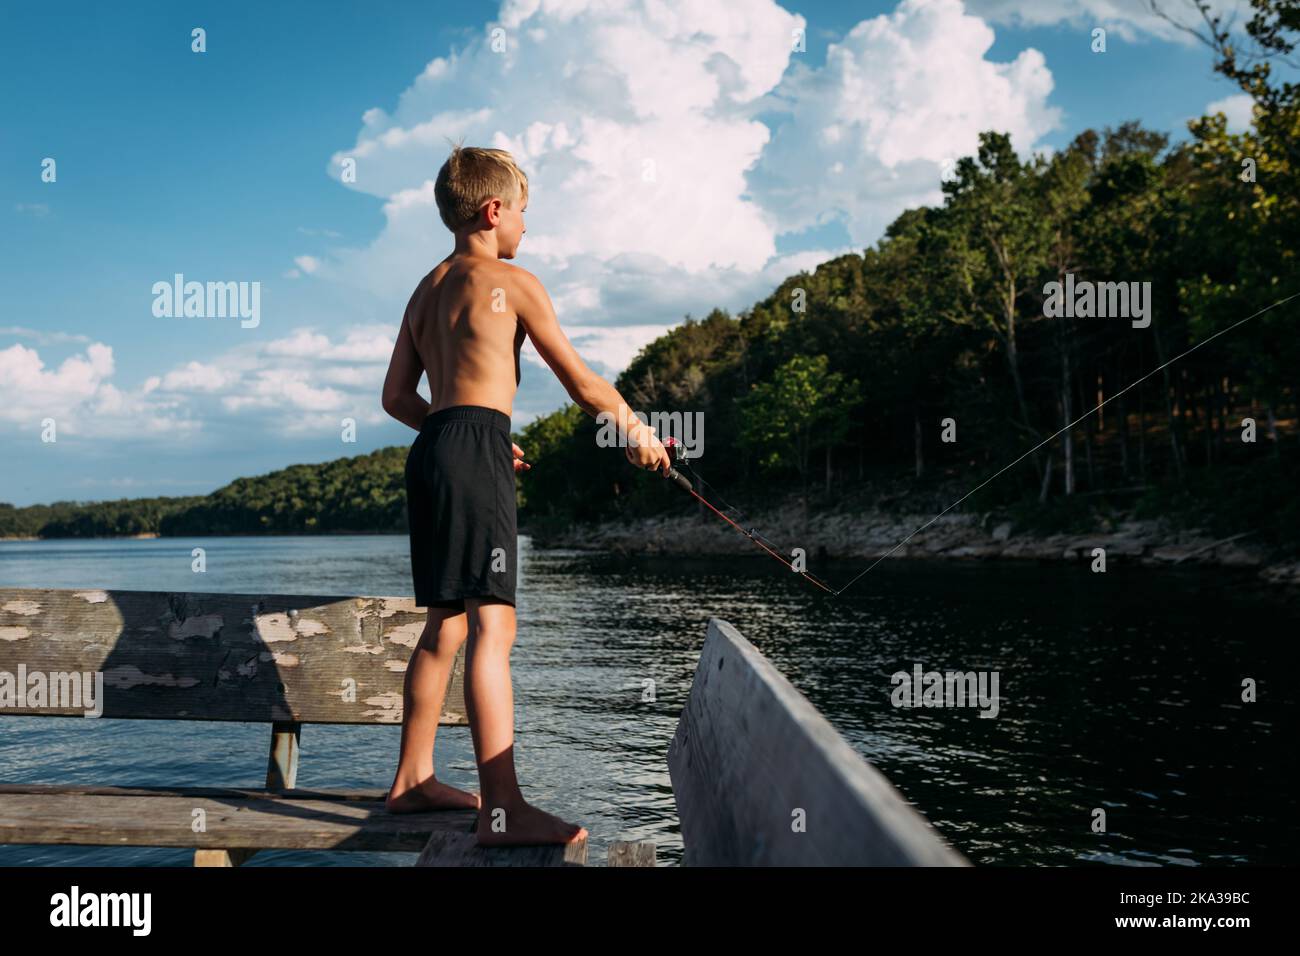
840 385
366 493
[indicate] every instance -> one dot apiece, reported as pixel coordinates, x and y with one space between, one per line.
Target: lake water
1119 691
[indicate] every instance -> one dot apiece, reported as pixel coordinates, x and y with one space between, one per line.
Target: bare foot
429 795
525 825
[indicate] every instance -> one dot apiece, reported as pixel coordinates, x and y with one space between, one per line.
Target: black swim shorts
460 504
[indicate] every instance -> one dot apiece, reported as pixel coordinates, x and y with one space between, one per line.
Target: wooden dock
760 778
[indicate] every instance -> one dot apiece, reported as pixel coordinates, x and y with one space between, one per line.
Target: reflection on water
1119 691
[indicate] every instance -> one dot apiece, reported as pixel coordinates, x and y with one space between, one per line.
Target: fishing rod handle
681 479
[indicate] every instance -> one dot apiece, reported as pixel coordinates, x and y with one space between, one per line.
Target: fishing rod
674 449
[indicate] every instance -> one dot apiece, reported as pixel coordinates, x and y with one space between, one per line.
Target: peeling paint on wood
408 635
282 658
22 607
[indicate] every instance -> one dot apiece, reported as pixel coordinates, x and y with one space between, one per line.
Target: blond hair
470 177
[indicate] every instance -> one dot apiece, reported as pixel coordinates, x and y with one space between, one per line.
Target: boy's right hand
645 450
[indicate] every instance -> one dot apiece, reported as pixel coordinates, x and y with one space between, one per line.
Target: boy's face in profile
510 228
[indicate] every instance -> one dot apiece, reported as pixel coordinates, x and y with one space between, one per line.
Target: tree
801 408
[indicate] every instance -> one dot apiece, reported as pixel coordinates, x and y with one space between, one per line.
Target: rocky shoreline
868 534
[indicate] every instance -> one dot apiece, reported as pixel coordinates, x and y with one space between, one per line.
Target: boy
464 326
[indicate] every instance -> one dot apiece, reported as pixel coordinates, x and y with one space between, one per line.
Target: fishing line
759 540
753 535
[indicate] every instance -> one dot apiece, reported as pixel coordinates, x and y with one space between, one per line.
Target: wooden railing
762 779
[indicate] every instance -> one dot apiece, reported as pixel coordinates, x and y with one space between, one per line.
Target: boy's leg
415 787
504 818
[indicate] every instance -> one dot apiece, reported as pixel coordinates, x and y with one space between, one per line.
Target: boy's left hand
520 464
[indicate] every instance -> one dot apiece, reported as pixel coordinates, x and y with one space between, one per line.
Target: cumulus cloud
363 344
901 96
192 377
79 396
620 161
44 337
303 382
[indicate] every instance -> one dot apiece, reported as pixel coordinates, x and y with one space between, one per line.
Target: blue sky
225 166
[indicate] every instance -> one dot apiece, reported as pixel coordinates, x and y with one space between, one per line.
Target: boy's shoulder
520 284
497 270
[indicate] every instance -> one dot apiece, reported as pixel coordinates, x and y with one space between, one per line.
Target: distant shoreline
226 534
869 534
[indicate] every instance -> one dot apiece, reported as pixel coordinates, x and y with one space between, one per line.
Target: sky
682 156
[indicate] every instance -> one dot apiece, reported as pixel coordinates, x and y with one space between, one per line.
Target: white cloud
80 398
620 160
274 389
1238 109
307 264
296 384
292 385
194 377
42 337
366 344
899 97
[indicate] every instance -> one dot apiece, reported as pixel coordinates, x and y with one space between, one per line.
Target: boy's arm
592 393
401 400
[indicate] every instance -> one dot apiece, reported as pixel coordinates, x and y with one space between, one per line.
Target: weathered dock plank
243 657
229 820
623 853
761 778
462 849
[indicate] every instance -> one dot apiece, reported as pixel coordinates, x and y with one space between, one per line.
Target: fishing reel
677 455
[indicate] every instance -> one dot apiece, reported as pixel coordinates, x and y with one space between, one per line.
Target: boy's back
466 333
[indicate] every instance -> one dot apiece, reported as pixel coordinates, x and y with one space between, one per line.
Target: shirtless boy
463 327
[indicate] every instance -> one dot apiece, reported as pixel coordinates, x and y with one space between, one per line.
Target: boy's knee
443 642
492 636
444 635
